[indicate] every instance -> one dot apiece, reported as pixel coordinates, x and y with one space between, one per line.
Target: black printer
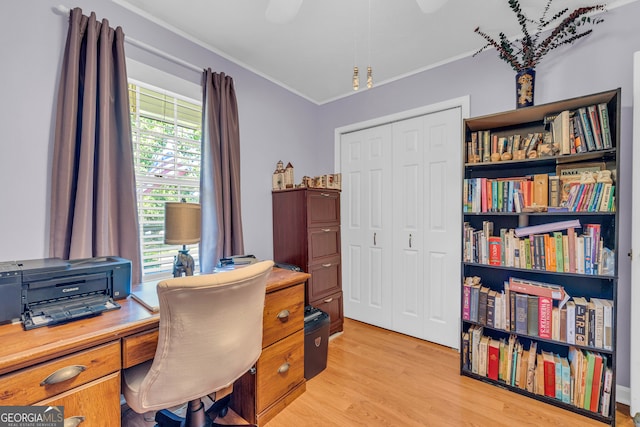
49 291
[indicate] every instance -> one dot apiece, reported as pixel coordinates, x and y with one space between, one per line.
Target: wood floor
375 377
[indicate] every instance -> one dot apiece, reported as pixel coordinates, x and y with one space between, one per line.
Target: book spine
581 324
586 127
545 307
604 122
592 111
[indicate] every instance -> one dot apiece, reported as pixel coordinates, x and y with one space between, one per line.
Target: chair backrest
210 334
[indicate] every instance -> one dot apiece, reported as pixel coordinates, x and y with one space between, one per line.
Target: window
166 133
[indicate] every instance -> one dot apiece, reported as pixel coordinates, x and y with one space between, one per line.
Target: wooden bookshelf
539 267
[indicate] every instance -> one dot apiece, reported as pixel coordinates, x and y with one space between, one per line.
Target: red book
549 374
466 301
596 388
545 307
493 364
495 250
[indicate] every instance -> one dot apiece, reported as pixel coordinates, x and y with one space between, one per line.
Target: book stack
535 192
542 310
553 247
582 378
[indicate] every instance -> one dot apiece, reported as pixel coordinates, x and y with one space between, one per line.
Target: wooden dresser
78 364
306 233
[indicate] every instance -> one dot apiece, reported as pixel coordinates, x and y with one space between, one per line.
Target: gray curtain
220 172
93 199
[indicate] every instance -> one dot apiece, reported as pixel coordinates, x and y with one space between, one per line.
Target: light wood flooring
375 377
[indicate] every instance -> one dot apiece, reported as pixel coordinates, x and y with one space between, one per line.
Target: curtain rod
64 10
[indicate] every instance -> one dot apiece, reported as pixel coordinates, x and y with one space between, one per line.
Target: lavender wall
275 124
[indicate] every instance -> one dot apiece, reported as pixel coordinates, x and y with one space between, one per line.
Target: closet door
426 170
442 246
366 225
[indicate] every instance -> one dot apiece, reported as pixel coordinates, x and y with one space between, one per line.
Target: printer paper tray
63 311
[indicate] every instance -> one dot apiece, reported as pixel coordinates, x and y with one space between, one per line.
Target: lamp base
183 264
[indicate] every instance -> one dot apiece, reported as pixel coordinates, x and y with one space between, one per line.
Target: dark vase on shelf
525 84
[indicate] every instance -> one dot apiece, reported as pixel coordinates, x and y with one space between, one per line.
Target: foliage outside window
166 133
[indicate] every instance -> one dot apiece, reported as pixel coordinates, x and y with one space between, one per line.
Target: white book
607 320
580 254
555 324
497 311
571 322
599 320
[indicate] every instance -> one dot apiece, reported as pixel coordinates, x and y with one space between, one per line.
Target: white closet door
426 218
442 233
408 226
366 225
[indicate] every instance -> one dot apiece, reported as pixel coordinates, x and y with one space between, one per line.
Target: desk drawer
283 313
25 387
97 402
279 370
139 348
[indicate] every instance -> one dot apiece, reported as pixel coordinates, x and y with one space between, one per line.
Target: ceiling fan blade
282 11
430 6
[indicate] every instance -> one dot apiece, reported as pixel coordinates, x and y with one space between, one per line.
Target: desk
106 344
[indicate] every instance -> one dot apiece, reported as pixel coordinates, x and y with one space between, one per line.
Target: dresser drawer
323 242
283 313
323 207
97 402
27 386
139 348
279 370
325 279
333 306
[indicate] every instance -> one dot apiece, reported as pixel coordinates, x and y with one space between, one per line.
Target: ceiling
314 53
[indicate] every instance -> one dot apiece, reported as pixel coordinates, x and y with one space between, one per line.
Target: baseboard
623 395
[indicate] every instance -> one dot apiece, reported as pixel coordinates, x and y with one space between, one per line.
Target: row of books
583 378
563 251
518 194
577 131
582 130
540 309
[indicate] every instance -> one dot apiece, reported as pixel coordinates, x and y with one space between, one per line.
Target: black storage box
316 341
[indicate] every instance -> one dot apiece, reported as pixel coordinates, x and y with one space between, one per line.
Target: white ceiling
313 55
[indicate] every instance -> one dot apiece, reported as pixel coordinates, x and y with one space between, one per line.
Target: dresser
306 233
78 364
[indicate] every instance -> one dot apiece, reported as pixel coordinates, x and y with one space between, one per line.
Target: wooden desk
105 344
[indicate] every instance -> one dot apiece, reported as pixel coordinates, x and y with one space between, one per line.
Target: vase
525 84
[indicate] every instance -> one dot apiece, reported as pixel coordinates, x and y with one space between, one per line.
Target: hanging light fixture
369 70
356 79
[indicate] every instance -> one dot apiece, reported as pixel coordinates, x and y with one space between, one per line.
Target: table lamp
182 222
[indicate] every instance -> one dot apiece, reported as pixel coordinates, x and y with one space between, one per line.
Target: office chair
210 335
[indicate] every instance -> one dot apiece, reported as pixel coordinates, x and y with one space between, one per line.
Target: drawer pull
63 374
326 265
73 421
326 230
325 194
283 368
283 315
328 300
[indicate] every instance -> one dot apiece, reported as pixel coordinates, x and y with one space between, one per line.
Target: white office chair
210 335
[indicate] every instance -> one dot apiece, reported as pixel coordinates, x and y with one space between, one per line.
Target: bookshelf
540 240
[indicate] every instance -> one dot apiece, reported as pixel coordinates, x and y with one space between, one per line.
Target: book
493 359
547 227
571 322
482 305
465 351
554 190
581 320
561 129
604 124
607 322
555 323
532 315
475 337
549 374
540 189
475 298
579 141
483 353
147 295
604 200
495 250
533 287
596 385
558 376
531 367
491 308
466 299
606 391
588 386
545 308
566 380
586 128
594 121
521 307
598 322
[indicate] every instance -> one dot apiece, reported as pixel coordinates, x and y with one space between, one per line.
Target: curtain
219 172
93 199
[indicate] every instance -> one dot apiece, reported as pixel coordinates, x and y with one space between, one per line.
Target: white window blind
166 132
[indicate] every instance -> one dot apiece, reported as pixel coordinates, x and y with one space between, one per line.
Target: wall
275 124
600 62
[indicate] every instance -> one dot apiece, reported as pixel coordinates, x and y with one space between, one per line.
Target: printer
49 291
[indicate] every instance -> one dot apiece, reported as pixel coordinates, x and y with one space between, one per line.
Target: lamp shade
182 223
